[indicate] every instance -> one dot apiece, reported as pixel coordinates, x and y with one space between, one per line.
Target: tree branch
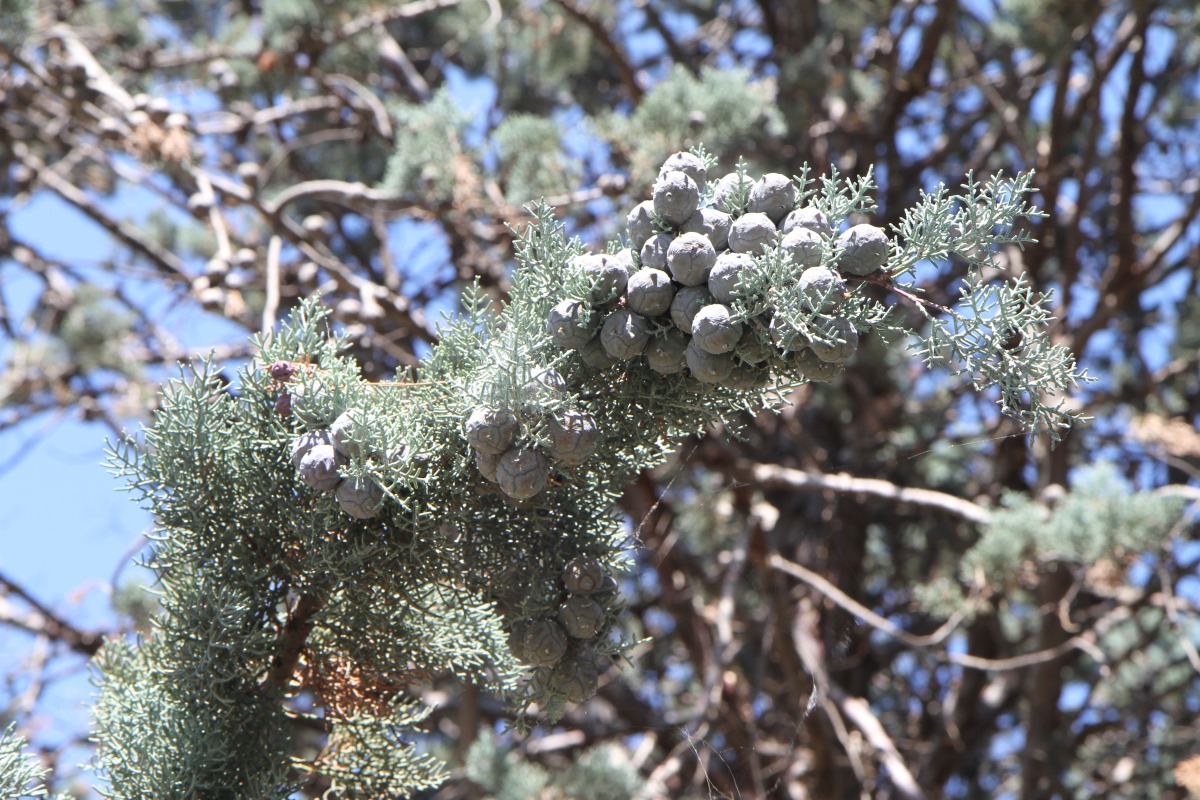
875 620
614 50
344 192
774 476
296 630
388 14
858 711
166 260
44 622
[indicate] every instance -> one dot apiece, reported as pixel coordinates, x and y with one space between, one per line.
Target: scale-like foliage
600 773
1099 518
730 106
367 757
182 736
20 774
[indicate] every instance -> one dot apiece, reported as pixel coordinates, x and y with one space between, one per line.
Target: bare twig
347 277
222 122
35 669
1170 604
1085 642
344 192
858 609
857 711
271 304
1024 660
99 78
123 231
1179 490
391 275
772 475
724 644
885 280
392 53
44 622
811 653
300 142
389 13
174 58
655 786
224 248
604 38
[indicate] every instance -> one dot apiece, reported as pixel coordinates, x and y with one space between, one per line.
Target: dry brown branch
858 711
610 45
167 261
1176 435
809 648
228 122
1172 605
300 622
271 304
41 621
99 77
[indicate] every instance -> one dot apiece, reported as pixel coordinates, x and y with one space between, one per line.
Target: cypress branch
357 536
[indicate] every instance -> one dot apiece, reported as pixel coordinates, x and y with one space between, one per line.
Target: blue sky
61 519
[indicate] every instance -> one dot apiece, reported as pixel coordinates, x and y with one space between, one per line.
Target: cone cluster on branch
676 296
524 470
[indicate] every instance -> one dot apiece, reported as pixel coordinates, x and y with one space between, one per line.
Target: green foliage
998 336
438 629
601 773
95 330
1161 666
429 152
366 756
1045 27
286 21
136 602
186 734
639 411
726 109
941 598
124 23
532 161
531 54
273 597
20 774
1098 518
93 335
281 16
212 471
598 773
1101 517
502 776
239 539
17 20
